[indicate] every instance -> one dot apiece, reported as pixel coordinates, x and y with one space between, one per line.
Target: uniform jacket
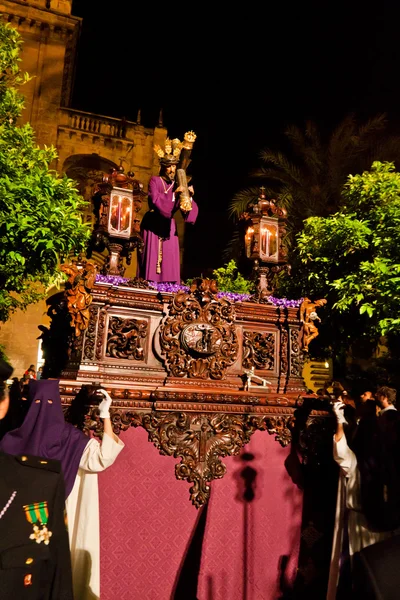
28 569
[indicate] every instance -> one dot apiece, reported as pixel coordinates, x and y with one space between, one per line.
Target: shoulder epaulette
38 462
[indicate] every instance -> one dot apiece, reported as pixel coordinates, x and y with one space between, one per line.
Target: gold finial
189 139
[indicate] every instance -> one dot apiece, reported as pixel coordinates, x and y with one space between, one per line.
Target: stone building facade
87 144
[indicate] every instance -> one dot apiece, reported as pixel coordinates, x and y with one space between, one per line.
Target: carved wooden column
296 358
284 353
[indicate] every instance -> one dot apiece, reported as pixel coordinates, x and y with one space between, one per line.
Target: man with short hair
386 398
368 395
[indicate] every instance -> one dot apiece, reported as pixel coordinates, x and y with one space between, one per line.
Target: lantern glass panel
269 241
120 213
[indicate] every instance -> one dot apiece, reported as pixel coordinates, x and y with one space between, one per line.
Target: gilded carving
198 336
258 350
81 278
125 337
309 318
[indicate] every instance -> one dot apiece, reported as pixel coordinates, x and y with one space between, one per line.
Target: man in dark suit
34 549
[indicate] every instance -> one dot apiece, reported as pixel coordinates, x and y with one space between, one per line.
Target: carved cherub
81 278
308 317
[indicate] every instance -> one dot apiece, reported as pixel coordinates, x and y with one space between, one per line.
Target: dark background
237 77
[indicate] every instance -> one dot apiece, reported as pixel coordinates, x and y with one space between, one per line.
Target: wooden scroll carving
258 350
280 426
198 337
200 441
125 338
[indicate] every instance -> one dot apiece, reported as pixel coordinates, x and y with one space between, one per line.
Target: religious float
199 370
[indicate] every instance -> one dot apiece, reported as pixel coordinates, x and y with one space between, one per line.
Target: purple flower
173 288
285 302
170 288
113 279
233 296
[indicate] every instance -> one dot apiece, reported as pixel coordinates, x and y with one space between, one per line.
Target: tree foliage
229 279
352 258
40 218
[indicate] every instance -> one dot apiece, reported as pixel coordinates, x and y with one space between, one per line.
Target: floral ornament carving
258 350
200 441
281 426
125 337
198 336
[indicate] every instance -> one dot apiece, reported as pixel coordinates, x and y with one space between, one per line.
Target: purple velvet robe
159 222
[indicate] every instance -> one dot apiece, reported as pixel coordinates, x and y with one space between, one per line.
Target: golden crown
172 149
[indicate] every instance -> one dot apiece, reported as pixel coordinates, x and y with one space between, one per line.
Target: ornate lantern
117 202
120 214
265 228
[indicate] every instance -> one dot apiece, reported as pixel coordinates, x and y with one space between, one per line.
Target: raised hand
338 409
105 404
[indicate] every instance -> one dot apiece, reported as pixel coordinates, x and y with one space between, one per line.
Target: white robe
348 496
83 517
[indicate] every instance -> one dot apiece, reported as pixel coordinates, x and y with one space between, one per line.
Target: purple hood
45 433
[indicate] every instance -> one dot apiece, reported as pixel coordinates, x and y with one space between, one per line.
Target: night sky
237 79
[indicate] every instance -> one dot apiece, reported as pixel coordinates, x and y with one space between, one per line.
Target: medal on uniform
38 515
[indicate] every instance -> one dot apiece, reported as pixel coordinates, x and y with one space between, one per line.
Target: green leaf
40 218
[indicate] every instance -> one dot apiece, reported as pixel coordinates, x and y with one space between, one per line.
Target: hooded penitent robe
45 433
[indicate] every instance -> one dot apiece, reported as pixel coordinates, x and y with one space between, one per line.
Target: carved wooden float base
176 365
199 434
